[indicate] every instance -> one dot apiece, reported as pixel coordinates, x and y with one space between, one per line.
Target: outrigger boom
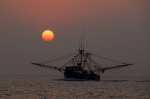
80 66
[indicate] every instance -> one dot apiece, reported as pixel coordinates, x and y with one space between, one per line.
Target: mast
81 52
80 61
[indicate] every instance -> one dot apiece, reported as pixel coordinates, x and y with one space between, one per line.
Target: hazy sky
117 29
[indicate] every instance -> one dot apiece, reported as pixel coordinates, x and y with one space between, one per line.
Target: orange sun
47 35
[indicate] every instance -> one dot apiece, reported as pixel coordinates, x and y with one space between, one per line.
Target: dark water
54 88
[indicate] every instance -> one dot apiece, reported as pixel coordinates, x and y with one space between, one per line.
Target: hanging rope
57 59
69 61
107 58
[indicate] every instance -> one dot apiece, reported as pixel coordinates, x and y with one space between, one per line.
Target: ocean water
53 88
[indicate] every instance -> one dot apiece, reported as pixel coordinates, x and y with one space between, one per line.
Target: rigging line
94 62
107 58
84 60
88 65
69 61
57 59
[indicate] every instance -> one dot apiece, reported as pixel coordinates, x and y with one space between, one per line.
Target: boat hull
81 75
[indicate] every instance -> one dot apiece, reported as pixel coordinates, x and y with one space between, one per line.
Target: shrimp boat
81 66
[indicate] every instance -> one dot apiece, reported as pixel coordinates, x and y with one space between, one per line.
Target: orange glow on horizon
47 35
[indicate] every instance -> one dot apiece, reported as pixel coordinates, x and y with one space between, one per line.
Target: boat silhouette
82 66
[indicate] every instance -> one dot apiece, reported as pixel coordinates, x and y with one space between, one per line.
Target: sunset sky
117 29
